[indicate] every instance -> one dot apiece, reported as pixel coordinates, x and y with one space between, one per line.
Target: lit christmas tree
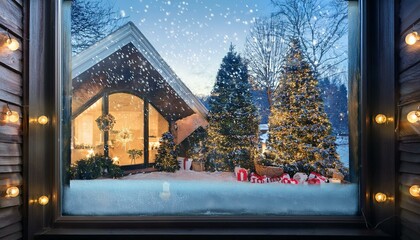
167 154
300 133
233 121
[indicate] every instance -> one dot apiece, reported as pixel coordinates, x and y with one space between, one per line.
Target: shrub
95 167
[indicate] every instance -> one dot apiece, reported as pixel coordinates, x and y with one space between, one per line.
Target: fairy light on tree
233 122
300 132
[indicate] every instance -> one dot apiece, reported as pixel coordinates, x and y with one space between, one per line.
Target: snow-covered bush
94 167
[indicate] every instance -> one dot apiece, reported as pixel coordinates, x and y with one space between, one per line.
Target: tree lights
300 131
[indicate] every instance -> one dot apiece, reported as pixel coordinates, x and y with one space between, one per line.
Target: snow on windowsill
204 193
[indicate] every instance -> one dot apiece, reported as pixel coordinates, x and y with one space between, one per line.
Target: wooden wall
409 134
11 64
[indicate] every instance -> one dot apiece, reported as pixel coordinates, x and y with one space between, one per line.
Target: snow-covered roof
130 35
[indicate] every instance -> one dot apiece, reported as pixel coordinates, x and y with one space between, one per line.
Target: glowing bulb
91 152
415 191
380 119
412 116
43 120
116 160
12 44
43 200
13 116
12 192
380 197
411 38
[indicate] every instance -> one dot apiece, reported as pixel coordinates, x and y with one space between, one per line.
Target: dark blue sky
194 35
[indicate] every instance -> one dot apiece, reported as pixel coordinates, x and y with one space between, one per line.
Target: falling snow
193 36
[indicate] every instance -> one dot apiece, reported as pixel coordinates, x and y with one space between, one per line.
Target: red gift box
255 178
242 175
314 181
315 175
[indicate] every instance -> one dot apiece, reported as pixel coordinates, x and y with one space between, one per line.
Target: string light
43 120
10 116
415 191
12 192
380 197
43 200
412 37
380 119
414 116
10 42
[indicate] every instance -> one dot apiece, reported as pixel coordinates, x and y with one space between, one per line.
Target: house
388 83
123 75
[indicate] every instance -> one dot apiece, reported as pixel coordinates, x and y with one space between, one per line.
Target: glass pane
87 138
157 126
126 140
211 108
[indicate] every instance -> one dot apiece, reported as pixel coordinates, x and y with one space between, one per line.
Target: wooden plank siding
11 65
409 133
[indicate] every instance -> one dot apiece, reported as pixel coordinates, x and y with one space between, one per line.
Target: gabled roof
162 86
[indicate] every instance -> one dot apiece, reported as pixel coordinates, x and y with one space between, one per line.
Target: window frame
44 71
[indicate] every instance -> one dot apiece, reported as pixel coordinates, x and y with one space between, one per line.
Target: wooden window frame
376 146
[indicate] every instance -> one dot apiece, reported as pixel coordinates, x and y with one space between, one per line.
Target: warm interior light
380 119
43 200
12 44
380 197
413 116
12 192
43 120
412 38
415 191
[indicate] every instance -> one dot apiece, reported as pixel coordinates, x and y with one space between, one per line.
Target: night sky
192 36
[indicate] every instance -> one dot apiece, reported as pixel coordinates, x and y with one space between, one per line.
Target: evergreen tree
300 132
167 154
233 121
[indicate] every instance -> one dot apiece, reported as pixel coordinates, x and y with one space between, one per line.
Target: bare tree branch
264 51
320 26
90 22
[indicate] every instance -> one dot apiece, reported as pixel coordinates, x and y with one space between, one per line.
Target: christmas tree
167 154
233 121
300 133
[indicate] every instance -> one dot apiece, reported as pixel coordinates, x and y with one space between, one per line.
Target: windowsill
213 233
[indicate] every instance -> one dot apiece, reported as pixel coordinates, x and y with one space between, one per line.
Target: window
221 110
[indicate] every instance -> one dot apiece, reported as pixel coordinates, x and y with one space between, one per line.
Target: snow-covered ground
204 193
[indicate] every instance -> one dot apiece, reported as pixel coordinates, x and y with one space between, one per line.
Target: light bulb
380 197
412 116
43 200
13 116
380 119
42 120
12 44
415 191
12 192
411 38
